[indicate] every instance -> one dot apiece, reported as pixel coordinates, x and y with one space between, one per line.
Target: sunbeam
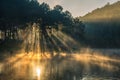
46 56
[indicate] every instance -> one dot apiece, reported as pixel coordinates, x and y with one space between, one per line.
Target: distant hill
103 26
108 12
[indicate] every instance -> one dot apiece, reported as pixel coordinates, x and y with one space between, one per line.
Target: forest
103 26
20 17
98 29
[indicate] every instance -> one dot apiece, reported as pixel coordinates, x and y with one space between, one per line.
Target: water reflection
60 67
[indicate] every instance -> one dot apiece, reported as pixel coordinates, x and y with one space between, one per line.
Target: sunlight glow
38 67
38 71
37 63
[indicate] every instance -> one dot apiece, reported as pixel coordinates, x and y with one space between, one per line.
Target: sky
78 7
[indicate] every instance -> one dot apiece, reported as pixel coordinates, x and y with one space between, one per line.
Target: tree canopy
20 12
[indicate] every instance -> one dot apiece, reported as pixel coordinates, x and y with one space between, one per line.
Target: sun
38 71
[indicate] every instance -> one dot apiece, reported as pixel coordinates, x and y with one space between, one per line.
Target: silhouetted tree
16 13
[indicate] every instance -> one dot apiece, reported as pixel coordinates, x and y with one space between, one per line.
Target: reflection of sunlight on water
38 71
60 66
35 67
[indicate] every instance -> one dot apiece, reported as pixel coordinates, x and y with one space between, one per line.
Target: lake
87 64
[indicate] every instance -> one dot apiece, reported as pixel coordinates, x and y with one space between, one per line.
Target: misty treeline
17 15
103 34
103 26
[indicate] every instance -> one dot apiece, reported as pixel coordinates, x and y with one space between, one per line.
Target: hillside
108 12
103 26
